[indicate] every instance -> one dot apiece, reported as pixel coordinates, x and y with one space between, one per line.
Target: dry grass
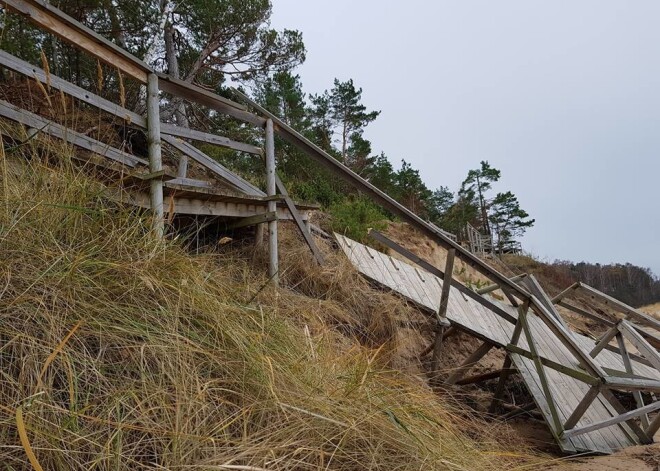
119 351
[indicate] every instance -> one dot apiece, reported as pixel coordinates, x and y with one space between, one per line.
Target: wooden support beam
506 367
495 286
567 370
155 160
480 378
204 207
633 356
273 262
582 407
620 409
441 315
55 21
302 227
187 133
632 384
440 274
639 400
535 288
565 293
653 426
612 421
259 236
452 330
470 361
584 313
543 379
31 120
630 311
197 94
252 220
209 163
604 340
642 346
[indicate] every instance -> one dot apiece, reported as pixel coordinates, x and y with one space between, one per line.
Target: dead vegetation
122 351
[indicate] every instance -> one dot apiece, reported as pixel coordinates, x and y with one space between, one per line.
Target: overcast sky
563 96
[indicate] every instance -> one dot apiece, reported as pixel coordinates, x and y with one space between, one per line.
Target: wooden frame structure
50 19
572 388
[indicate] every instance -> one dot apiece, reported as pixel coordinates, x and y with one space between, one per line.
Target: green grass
119 351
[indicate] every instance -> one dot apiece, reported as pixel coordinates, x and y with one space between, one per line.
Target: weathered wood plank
613 420
302 227
639 400
435 271
535 288
55 21
621 307
187 133
203 97
155 158
206 161
469 362
252 220
642 346
584 313
32 120
199 207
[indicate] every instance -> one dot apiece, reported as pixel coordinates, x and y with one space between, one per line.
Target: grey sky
562 95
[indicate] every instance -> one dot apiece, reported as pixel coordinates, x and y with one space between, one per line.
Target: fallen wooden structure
536 338
578 406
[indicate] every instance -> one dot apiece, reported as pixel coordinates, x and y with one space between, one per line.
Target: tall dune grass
119 351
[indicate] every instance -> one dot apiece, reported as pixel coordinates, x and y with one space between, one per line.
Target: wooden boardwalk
423 289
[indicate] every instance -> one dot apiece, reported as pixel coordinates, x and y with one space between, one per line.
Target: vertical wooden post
442 314
506 367
182 169
155 160
259 235
273 265
625 357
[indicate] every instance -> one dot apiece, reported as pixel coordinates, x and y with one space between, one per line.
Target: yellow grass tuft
149 357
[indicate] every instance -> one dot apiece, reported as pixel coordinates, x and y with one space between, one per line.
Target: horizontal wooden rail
14 113
27 69
572 372
613 421
81 37
630 311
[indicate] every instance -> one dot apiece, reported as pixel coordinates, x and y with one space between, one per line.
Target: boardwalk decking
423 289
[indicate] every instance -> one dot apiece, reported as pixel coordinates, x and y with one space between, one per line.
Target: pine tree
475 185
508 219
341 109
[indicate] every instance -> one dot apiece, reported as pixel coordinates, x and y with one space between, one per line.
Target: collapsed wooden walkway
585 416
568 383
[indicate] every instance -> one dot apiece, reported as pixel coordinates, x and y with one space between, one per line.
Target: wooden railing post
155 159
443 323
273 263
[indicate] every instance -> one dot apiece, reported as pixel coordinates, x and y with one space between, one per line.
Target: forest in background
230 43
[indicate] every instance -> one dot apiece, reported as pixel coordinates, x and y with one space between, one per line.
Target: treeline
230 42
631 284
